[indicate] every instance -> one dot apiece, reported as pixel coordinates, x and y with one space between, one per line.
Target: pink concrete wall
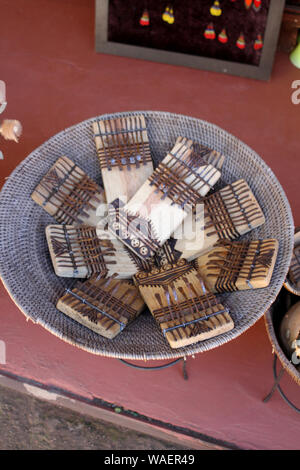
55 79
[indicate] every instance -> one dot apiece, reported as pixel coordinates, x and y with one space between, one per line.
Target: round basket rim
174 353
286 364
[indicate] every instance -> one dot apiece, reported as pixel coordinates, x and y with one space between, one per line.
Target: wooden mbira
124 155
294 271
105 306
185 310
232 266
226 214
215 158
68 194
289 334
82 251
163 201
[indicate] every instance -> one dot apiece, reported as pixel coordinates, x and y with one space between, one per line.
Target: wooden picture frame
261 72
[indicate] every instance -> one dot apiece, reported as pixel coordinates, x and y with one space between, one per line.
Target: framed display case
236 37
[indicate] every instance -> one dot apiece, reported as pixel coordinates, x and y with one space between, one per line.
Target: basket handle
287 283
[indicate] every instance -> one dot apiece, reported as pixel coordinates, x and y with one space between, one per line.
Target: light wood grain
197 235
116 259
252 269
104 306
59 193
164 200
123 138
174 303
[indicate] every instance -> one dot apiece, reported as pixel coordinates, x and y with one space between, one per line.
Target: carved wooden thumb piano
232 266
105 305
68 194
184 309
124 155
81 251
163 201
225 215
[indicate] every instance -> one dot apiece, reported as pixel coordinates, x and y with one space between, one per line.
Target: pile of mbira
167 238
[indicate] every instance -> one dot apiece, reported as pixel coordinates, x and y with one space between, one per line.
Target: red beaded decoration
222 37
256 5
258 43
241 42
145 19
209 33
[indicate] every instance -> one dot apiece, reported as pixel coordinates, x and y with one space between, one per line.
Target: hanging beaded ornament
222 37
256 5
241 42
258 43
209 33
216 10
168 15
145 19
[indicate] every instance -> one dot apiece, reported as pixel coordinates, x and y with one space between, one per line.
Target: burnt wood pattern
178 183
232 266
133 231
124 155
83 251
68 194
182 306
215 158
294 271
167 253
105 305
227 214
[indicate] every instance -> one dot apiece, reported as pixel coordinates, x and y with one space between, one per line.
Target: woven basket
273 318
25 265
288 284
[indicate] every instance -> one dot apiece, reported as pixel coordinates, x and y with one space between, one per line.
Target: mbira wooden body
106 306
294 271
164 200
232 266
124 155
82 251
226 214
183 307
68 194
215 158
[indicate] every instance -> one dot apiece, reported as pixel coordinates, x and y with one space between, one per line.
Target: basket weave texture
25 265
286 364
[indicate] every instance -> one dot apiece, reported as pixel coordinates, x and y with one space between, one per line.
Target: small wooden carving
106 306
69 195
82 251
232 266
226 214
184 309
164 200
124 155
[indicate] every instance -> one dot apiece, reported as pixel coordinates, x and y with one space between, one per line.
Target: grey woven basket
25 265
288 284
287 365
